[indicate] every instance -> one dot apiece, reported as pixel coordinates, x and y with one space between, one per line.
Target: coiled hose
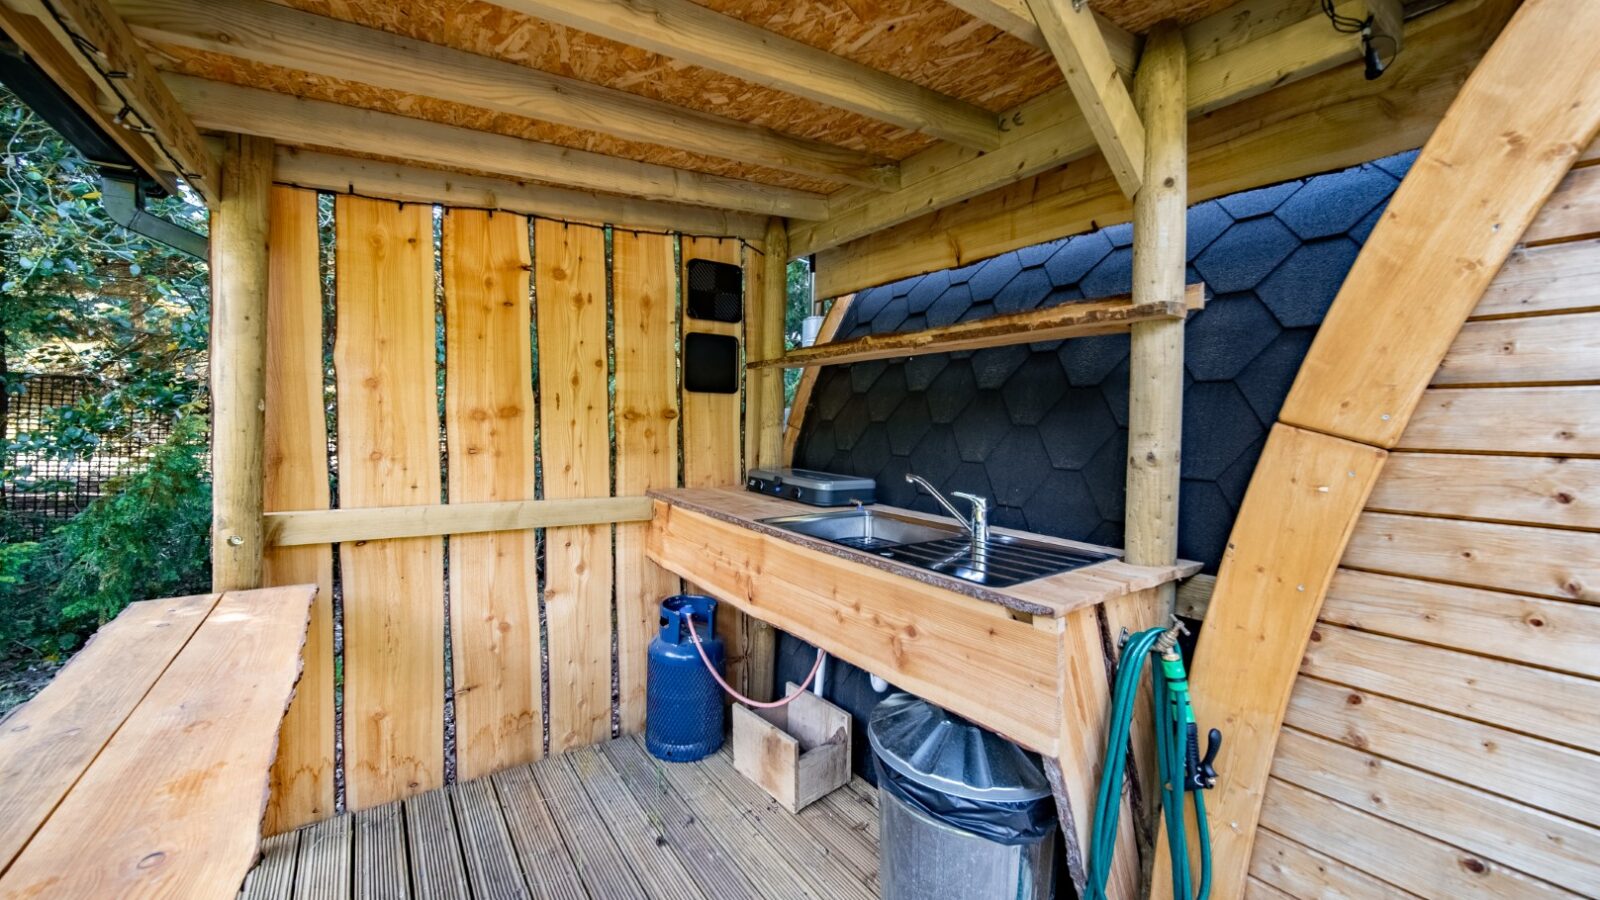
1177 762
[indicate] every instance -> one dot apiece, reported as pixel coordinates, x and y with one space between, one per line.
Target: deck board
602 822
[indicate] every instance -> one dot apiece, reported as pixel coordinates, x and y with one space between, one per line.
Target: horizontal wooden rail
326 526
1054 323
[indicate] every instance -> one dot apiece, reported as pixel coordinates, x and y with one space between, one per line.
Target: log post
238 361
764 424
1155 396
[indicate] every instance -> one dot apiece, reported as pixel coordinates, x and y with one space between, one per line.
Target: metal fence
42 491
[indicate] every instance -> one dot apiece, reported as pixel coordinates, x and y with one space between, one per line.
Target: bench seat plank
48 742
173 805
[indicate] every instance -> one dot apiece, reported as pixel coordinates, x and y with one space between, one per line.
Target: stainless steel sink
1000 561
864 528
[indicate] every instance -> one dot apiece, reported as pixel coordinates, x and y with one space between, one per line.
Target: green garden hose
1177 760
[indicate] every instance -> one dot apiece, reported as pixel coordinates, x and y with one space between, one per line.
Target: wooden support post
238 361
769 300
1155 397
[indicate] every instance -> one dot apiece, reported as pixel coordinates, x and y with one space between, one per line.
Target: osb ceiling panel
931 43
315 87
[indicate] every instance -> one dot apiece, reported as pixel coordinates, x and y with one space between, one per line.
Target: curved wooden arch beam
1519 122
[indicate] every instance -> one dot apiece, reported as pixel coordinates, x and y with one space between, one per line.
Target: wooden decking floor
603 822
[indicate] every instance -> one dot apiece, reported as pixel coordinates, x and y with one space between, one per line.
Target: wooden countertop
1053 596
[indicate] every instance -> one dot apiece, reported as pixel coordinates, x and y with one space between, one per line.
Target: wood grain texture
1539 280
1527 769
1299 871
295 476
239 273
339 174
1297 515
1551 633
570 294
1410 860
918 637
172 806
1462 208
288 529
384 356
489 424
1572 212
1067 320
1549 421
1530 490
1537 350
1074 38
1547 562
1516 836
333 49
47 743
319 123
713 433
645 310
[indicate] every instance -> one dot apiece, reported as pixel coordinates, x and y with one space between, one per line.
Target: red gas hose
695 636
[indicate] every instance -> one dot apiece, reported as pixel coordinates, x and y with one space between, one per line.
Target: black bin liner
1012 824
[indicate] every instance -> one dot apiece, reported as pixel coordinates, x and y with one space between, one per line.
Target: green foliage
149 537
80 295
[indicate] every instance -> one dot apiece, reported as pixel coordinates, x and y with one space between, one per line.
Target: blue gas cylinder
683 707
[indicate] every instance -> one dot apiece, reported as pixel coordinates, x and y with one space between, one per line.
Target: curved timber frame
1485 173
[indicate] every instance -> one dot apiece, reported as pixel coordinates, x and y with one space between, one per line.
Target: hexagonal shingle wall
1041 429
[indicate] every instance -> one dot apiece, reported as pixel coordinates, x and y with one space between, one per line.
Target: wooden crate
798 753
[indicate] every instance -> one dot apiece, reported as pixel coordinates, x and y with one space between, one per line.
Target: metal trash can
963 813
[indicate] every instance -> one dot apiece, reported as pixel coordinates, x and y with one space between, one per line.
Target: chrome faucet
977 525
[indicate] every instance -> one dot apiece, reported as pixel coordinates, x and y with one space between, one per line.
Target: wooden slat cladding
1436 738
711 432
295 476
645 283
384 356
528 316
570 294
489 423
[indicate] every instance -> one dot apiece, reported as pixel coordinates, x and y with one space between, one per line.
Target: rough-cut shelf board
1069 320
326 526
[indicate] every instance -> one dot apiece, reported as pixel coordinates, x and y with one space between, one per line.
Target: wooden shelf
1069 320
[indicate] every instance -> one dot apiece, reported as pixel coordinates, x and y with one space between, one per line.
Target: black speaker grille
715 291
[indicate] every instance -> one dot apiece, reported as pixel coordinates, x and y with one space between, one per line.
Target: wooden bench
142 769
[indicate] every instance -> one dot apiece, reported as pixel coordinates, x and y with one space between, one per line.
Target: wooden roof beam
315 123
1051 131
692 33
1074 38
1014 18
269 33
94 37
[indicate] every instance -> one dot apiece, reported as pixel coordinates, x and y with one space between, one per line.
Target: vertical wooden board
1297 516
1480 180
712 430
766 296
570 291
644 310
295 476
489 424
384 356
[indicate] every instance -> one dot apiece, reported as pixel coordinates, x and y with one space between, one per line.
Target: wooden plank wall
711 432
1441 739
539 317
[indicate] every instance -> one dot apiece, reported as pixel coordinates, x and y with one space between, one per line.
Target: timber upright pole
1155 396
765 425
238 361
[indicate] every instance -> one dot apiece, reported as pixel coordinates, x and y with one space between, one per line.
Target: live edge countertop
1052 596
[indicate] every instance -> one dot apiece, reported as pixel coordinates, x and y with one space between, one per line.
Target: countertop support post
764 422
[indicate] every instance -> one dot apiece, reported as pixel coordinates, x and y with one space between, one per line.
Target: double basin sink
999 561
